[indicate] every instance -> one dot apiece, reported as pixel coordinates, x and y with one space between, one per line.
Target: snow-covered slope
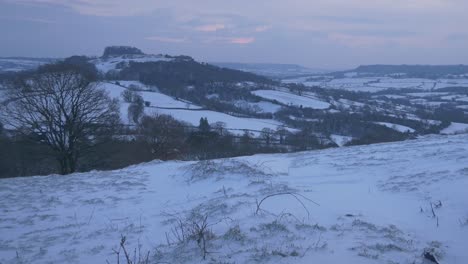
292 99
106 64
186 111
397 127
383 203
455 128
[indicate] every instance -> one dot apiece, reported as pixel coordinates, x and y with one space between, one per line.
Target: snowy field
188 112
376 84
156 99
455 128
341 140
259 107
397 127
231 122
383 203
292 99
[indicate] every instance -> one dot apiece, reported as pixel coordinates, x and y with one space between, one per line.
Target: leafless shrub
194 227
274 227
200 232
265 253
383 248
209 168
303 226
299 198
138 256
435 206
364 252
234 233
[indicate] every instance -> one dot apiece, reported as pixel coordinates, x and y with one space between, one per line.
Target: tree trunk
67 164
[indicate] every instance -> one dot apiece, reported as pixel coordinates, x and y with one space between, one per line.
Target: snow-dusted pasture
231 122
347 104
427 94
292 99
373 206
442 83
397 127
394 96
340 140
376 84
259 107
162 100
455 128
156 99
188 112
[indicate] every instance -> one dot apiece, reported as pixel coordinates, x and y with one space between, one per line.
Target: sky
326 34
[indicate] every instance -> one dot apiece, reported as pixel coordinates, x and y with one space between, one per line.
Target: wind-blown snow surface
374 207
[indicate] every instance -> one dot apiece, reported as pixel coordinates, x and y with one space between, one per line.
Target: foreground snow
374 207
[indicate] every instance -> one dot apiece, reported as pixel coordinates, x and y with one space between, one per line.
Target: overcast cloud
326 34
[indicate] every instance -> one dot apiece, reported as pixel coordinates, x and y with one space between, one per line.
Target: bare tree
61 108
136 109
267 135
163 134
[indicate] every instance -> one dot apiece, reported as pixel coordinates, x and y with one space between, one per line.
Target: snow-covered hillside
383 203
455 128
186 111
106 64
288 98
400 128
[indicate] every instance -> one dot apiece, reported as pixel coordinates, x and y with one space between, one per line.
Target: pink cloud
230 40
210 28
242 41
166 39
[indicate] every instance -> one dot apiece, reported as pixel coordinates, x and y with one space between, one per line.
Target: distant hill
16 64
409 71
180 73
271 70
121 50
